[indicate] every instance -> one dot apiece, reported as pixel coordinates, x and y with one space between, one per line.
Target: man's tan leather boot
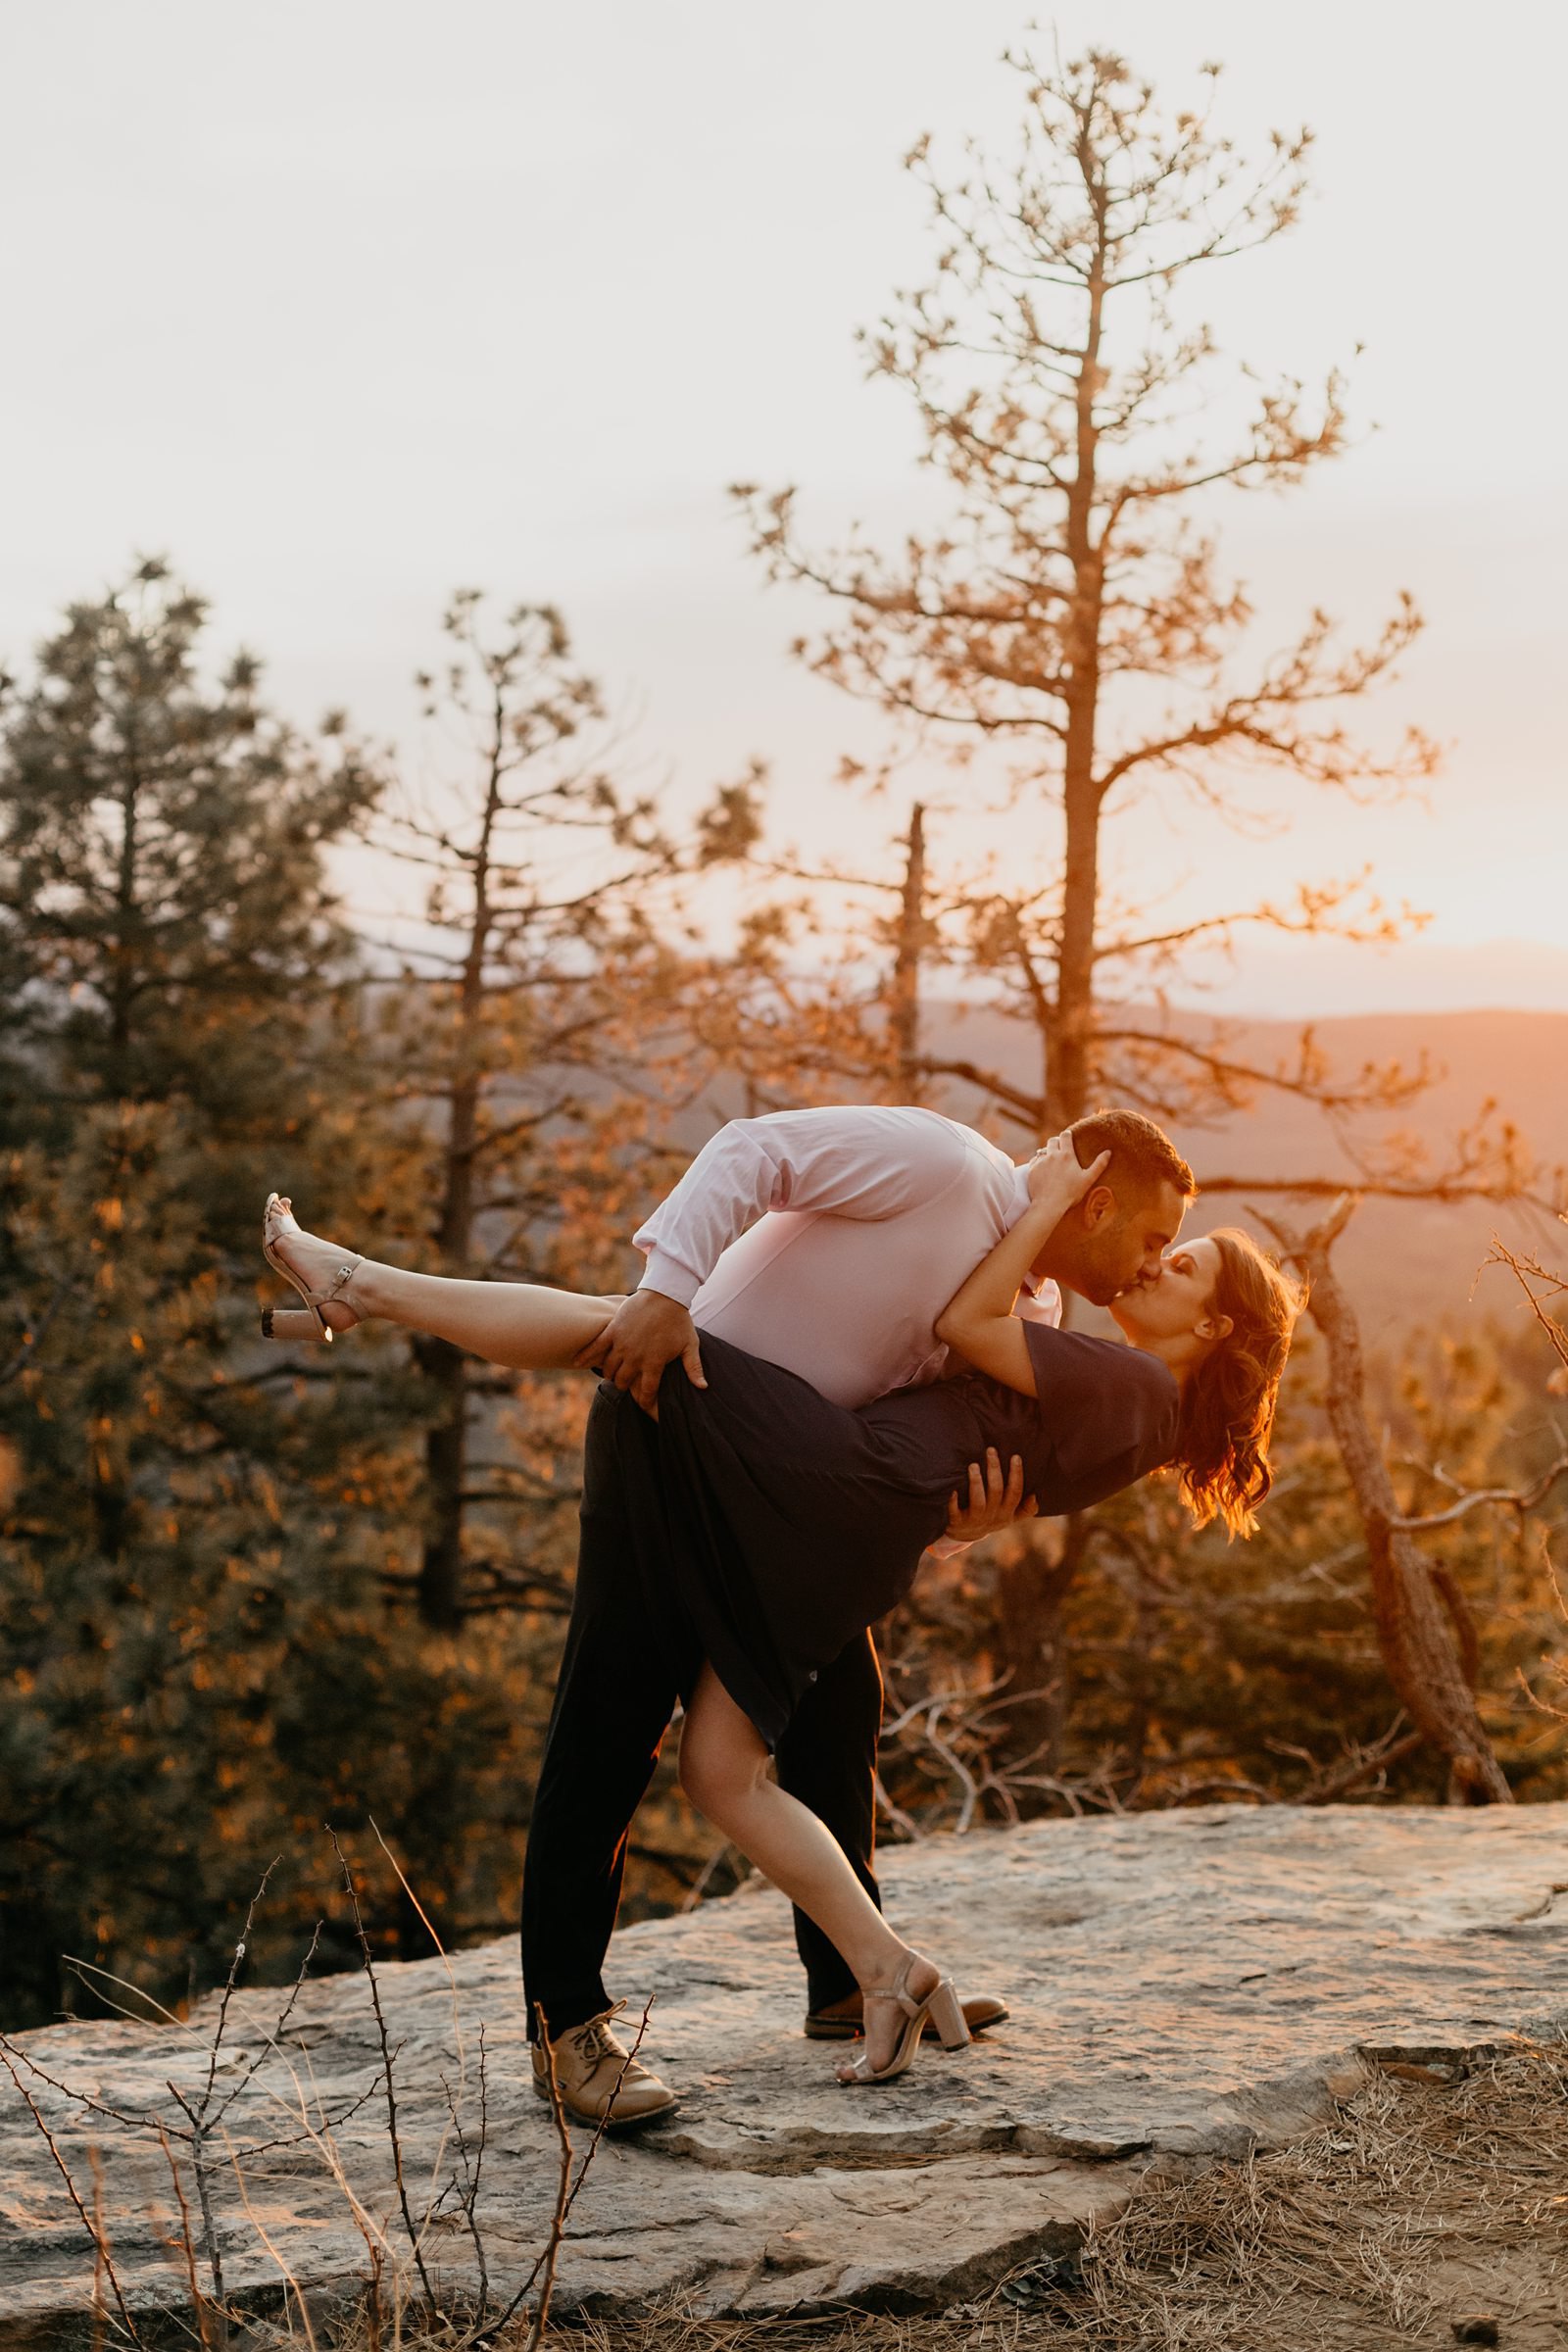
598 2077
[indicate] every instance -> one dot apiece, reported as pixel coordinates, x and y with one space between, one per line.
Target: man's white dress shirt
830 1241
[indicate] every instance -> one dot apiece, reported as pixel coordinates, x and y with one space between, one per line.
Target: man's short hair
1138 1150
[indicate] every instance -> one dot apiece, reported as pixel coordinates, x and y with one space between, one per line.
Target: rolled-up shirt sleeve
869 1162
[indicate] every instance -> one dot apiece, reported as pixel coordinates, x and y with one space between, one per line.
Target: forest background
246 1592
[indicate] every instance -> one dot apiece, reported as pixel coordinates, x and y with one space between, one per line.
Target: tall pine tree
175 962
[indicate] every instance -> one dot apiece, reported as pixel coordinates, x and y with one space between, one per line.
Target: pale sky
345 305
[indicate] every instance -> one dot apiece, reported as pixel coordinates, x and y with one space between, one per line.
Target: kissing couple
849 1318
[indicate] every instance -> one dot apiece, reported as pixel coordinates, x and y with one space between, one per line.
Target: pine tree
537 1026
167 922
176 966
1072 611
208 1547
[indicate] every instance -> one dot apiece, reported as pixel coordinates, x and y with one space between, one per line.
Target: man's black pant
625 1664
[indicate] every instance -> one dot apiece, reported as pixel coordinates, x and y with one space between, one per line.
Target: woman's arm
978 1319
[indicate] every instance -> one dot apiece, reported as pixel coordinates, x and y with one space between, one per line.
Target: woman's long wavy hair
1229 1396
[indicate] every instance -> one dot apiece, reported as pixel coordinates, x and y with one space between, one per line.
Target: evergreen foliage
199 1661
213 1555
165 914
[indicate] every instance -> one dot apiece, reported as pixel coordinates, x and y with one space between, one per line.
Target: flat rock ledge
1185 1985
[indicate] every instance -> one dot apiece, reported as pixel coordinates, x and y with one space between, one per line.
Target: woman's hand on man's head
1055 1179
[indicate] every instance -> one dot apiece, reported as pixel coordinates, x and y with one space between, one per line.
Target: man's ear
1096 1206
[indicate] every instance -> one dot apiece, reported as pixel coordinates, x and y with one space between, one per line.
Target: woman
782 1525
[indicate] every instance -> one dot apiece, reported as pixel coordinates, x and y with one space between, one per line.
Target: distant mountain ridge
1419 976
1407 1262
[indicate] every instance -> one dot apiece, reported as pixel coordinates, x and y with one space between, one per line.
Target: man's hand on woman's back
992 1504
646 1332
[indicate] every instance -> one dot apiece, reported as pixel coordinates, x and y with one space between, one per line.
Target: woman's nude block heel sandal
290 1323
941 2005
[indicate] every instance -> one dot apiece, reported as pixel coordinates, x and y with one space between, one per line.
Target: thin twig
1517 1499
325 2144
947 1698
99 2237
457 2012
100 2240
896 1813
1526 1270
703 1879
1350 1775
271 2040
386 2069
955 1765
567 2190
469 2199
112 2115
229 1983
603 2124
201 2123
557 2219
126 1986
260 2227
198 2300
204 2196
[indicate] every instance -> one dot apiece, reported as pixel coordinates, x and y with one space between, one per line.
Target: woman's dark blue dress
773 1526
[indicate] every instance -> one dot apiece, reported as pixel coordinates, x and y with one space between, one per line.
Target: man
829 1241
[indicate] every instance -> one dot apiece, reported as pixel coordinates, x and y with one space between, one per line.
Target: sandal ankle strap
901 1999
341 1280
897 1990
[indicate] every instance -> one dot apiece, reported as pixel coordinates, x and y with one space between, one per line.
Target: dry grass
1428 2200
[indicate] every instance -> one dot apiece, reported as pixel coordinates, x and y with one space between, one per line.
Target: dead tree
1422 1645
905 1008
533 864
1071 612
1069 619
800 1012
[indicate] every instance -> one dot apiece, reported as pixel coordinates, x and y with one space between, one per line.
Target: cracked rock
1185 1985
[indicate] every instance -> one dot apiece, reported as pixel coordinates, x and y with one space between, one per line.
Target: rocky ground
1429 2212
1185 1987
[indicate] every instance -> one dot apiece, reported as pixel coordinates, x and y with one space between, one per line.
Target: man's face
1122 1245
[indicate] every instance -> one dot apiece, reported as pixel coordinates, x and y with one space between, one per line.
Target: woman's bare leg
518 1323
723 1770
521 1324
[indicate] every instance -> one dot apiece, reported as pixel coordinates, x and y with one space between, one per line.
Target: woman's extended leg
518 1323
723 1770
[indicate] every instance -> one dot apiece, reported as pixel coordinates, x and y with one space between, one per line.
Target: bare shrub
403 2299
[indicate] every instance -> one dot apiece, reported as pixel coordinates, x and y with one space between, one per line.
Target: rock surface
1192 1983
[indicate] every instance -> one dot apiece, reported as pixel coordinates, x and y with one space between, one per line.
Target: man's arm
849 1160
858 1160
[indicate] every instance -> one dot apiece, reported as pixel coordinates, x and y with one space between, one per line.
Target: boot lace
594 2040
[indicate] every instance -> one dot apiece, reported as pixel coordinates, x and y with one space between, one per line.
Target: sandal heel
292 1323
946 2012
941 2005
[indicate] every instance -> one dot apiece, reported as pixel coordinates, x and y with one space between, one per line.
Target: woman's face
1175 1301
